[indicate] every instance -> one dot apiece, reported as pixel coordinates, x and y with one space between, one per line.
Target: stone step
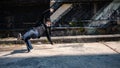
66 39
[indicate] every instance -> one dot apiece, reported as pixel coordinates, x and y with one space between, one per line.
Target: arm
48 37
42 17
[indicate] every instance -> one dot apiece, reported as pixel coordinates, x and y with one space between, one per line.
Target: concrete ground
67 55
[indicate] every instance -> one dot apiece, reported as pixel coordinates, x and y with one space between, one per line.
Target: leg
29 46
26 37
30 34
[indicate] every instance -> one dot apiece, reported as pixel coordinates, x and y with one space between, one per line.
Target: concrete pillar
94 7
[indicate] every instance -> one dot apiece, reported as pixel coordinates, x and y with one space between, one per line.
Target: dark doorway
20 15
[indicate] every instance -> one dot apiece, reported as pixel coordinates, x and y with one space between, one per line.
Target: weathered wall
20 15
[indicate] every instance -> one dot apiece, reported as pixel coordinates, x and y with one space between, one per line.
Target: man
40 29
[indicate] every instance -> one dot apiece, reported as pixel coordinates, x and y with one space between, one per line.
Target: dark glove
52 43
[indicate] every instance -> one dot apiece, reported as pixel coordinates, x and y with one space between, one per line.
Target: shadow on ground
17 51
63 61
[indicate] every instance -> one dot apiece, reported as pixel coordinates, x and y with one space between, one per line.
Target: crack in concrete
110 47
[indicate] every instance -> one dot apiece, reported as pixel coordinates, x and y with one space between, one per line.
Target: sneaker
19 36
32 50
28 50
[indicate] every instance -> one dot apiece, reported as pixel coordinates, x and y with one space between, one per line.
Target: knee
26 39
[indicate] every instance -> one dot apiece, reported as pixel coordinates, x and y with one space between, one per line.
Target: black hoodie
41 26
